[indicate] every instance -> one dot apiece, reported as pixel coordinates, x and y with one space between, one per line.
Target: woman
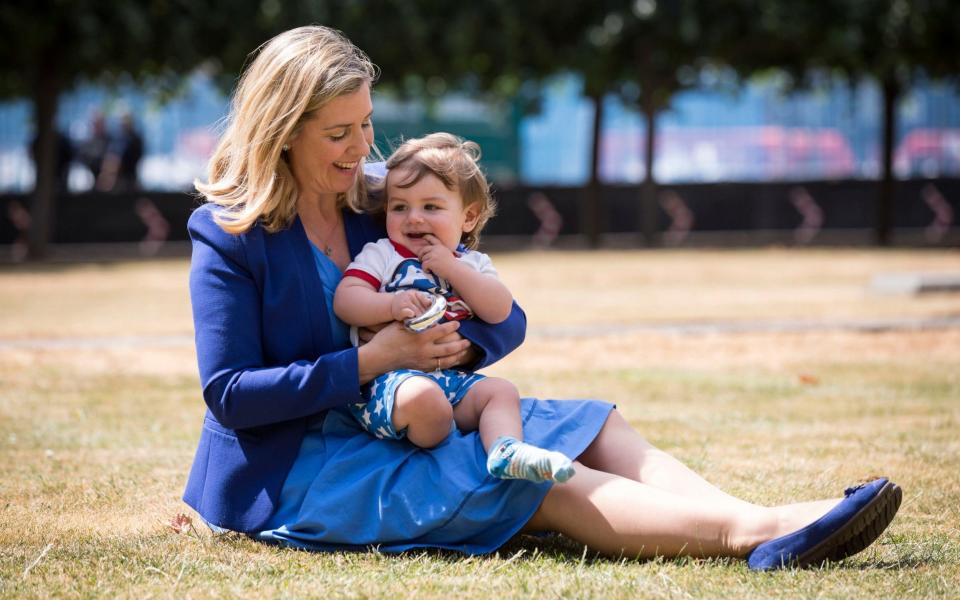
280 459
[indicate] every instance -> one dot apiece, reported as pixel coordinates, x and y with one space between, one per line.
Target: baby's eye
397 208
430 207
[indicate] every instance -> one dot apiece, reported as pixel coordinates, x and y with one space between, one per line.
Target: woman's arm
493 342
240 385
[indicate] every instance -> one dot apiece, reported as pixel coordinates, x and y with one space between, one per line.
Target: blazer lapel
315 308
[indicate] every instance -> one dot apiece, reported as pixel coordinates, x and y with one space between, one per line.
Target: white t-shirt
390 267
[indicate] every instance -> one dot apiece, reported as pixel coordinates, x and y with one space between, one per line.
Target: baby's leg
493 406
422 408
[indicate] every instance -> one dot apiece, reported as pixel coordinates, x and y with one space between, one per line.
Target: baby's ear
472 214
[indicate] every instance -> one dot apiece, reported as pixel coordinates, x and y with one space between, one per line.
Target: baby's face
426 207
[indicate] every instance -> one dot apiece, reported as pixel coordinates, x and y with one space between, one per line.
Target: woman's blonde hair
455 162
291 77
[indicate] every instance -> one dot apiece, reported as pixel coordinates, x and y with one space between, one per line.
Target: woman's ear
471 216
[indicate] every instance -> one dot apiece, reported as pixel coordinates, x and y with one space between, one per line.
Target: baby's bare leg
422 407
491 406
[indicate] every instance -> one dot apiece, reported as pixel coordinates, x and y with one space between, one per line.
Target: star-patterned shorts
375 414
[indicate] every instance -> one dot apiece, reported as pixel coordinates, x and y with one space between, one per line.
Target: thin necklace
327 250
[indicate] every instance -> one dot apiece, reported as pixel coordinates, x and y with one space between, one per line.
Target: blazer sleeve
495 341
239 386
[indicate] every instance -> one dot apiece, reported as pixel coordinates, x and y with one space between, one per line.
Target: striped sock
509 458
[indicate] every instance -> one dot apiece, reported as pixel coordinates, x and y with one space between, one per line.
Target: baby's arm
357 303
486 295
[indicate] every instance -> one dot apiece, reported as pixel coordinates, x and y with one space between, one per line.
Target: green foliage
882 39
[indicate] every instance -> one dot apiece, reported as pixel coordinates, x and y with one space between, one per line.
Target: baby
437 200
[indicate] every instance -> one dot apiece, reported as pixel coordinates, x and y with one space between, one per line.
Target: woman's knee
563 502
616 424
616 439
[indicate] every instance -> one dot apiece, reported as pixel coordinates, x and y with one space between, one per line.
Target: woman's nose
360 142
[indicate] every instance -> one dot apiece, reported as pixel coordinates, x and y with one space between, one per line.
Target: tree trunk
649 214
884 214
45 96
592 211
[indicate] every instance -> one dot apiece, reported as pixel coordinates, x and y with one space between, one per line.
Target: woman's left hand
463 358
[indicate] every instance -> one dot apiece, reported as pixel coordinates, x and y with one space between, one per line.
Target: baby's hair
455 162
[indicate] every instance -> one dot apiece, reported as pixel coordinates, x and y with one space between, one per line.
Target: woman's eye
339 136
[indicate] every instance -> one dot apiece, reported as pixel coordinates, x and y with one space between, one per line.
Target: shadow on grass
552 546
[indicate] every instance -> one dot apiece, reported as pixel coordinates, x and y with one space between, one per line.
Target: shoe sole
859 531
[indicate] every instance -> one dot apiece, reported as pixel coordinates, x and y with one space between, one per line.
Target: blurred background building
759 132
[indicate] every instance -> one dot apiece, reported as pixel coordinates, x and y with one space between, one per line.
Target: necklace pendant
327 251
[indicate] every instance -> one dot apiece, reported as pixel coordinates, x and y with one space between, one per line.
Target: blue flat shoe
849 527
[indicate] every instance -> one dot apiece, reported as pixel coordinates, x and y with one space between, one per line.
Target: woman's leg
620 450
616 516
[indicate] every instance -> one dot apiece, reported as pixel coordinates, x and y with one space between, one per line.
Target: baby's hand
436 257
408 304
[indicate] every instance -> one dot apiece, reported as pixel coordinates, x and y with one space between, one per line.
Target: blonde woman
281 459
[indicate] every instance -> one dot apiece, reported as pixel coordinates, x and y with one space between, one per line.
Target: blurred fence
813 212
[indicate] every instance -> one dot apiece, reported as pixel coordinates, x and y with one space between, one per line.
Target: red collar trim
403 250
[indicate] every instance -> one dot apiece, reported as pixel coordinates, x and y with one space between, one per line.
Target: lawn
100 411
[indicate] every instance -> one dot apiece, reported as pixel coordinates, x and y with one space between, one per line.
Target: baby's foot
510 458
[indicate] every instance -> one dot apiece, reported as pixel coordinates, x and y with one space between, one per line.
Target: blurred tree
642 50
895 42
891 42
650 50
50 45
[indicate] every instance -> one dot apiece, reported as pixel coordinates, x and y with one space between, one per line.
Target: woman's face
325 155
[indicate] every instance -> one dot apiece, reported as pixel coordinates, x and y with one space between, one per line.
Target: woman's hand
393 347
466 357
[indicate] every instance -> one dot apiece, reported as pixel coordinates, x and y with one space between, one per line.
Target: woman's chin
345 178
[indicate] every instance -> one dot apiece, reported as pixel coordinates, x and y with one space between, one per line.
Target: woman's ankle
754 527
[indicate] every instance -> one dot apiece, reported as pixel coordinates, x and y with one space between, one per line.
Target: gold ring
438 364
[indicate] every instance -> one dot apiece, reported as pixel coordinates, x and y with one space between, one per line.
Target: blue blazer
267 362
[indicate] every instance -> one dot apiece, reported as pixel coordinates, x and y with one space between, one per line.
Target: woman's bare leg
619 516
620 450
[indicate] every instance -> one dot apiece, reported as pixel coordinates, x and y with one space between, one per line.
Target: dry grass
95 440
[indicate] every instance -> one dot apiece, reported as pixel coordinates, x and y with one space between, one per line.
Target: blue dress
349 491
